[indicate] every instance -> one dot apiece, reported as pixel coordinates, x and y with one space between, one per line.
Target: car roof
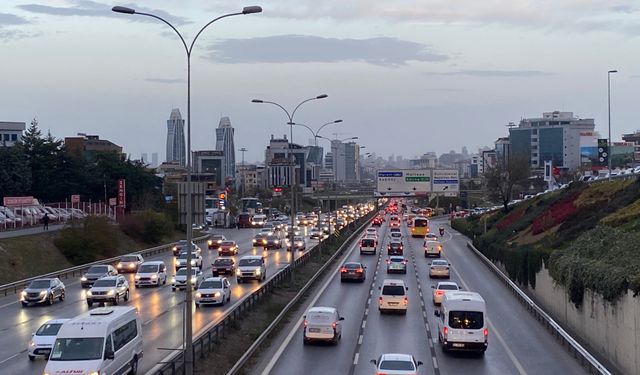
158 262
393 282
447 283
440 261
396 257
251 257
214 279
395 240
358 263
110 277
322 309
396 357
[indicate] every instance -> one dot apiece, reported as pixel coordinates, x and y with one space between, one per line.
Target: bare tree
504 176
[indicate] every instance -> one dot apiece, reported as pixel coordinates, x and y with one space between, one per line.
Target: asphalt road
518 344
161 309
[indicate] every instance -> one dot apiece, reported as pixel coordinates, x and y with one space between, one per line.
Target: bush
149 227
557 214
88 240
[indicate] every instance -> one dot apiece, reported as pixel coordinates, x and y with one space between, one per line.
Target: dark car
377 222
214 242
95 272
273 242
244 220
395 248
228 248
129 263
43 291
259 240
353 271
223 266
181 246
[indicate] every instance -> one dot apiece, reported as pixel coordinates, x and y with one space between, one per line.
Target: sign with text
75 198
403 181
122 193
17 201
445 180
113 202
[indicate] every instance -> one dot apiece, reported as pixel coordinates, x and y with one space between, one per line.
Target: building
428 160
89 146
503 149
176 150
279 171
449 160
247 176
154 159
328 161
346 161
635 139
555 136
224 143
489 160
211 163
11 133
144 158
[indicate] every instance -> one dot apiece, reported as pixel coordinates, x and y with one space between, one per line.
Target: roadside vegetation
586 235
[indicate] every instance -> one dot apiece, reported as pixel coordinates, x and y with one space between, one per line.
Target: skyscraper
224 143
176 150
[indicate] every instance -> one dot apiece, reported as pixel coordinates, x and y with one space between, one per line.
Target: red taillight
445 331
406 301
334 325
413 229
388 261
305 322
486 332
439 292
343 270
359 270
380 299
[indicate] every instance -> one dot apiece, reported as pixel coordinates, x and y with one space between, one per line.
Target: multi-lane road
518 344
161 309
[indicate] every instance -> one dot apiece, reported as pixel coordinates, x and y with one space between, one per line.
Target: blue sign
389 174
445 182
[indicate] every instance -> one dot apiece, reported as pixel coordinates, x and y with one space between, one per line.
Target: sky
405 76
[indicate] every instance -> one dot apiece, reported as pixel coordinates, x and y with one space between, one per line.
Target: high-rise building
346 161
154 159
278 165
176 150
144 158
224 143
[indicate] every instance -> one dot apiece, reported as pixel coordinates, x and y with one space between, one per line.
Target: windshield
184 255
420 223
223 262
439 263
130 258
148 268
97 269
211 285
39 284
217 237
399 260
367 242
466 320
228 243
393 290
320 317
447 287
396 234
396 244
77 349
250 262
352 266
183 272
48 329
101 283
397 365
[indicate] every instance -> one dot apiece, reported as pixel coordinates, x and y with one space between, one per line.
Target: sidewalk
10 233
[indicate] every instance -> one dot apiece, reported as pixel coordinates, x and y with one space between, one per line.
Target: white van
462 324
393 296
368 245
258 220
322 324
105 340
432 249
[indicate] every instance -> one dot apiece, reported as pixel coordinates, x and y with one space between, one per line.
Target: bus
251 206
420 227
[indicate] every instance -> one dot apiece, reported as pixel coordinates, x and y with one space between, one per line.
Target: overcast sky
406 76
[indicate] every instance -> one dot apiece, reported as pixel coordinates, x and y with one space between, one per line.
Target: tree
15 174
504 176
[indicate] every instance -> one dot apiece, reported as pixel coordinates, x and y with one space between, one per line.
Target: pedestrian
237 224
45 221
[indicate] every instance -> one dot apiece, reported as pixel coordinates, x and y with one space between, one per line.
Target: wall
611 330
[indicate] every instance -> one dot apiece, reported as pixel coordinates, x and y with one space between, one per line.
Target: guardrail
18 286
586 359
210 335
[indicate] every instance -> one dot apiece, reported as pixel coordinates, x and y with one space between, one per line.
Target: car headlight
219 241
253 240
173 280
216 294
131 265
111 292
258 271
43 292
277 242
238 272
119 265
94 373
193 280
209 242
137 277
24 293
178 262
89 293
154 276
83 278
198 295
32 344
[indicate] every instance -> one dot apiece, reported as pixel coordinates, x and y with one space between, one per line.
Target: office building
89 146
503 150
154 159
144 158
210 163
176 150
635 139
11 133
279 171
346 161
224 143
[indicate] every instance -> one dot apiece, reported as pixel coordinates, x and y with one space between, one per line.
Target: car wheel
305 341
126 295
164 282
239 280
173 289
24 304
444 349
134 366
32 357
197 305
116 299
50 299
61 298
89 303
229 298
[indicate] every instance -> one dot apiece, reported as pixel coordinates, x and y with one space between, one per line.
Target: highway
518 344
161 309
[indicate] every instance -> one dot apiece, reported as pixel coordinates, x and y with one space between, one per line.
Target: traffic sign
446 180
403 181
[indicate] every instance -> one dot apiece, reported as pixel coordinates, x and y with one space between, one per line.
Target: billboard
588 148
403 181
445 181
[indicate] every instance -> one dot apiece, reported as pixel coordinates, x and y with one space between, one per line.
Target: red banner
122 193
17 201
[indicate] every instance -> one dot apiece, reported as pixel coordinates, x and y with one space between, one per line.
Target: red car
223 266
228 248
214 242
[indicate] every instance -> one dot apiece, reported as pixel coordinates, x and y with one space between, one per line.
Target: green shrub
148 226
88 240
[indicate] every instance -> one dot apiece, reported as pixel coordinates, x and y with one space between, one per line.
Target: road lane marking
12 357
364 323
360 340
355 359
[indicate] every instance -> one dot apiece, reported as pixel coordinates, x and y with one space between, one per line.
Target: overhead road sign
446 181
403 181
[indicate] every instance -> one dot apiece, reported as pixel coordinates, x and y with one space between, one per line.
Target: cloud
7 19
88 8
9 35
165 80
493 73
381 51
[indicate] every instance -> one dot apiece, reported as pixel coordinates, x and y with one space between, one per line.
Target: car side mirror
379 288
109 355
436 313
433 286
406 288
341 318
374 362
420 363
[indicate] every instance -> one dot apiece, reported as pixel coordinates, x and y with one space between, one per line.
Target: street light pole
293 181
188 337
243 150
609 112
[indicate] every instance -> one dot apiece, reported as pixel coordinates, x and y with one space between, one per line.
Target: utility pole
242 180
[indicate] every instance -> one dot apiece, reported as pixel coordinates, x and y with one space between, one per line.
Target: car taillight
388 261
343 270
359 270
305 322
380 299
334 325
486 332
413 229
439 292
445 331
406 301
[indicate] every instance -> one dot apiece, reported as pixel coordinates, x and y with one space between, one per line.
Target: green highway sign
416 179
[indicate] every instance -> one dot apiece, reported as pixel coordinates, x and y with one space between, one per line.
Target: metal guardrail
210 335
586 359
18 286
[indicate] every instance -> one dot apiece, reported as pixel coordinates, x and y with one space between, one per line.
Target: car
258 220
395 247
395 236
42 340
395 230
273 242
108 289
372 231
462 322
181 246
228 248
440 289
270 225
368 246
393 296
129 263
353 271
322 324
266 232
45 290
298 243
396 264
213 290
196 260
432 248
377 221
439 268
223 266
179 281
214 241
151 273
251 267
259 240
95 272
316 233
431 237
396 364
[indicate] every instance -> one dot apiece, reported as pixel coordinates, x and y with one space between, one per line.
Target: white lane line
355 359
360 340
369 301
435 362
12 357
366 311
8 304
364 323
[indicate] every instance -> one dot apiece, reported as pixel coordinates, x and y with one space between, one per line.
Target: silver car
96 272
43 291
396 264
108 289
439 268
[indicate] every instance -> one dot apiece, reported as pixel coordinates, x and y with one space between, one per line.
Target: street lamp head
354 138
337 121
257 101
252 9
291 123
322 96
125 10
612 71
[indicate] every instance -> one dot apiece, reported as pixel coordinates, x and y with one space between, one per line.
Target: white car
251 267
179 281
372 231
266 231
395 236
196 260
431 237
396 364
322 324
213 290
440 289
439 268
42 340
151 273
393 296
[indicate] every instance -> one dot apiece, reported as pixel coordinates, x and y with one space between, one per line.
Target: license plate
457 345
393 303
314 330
